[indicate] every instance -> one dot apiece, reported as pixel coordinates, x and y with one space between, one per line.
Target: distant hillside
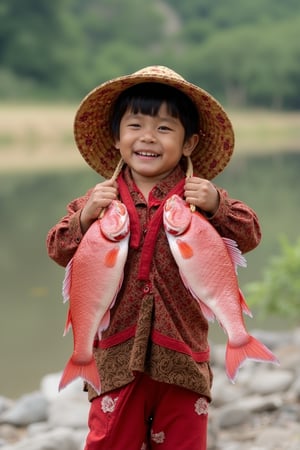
245 52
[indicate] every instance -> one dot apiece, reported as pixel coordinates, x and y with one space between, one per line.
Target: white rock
224 392
59 439
258 403
277 438
28 409
71 413
232 416
5 404
296 388
268 381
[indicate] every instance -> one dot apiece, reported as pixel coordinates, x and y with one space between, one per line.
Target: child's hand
201 193
102 195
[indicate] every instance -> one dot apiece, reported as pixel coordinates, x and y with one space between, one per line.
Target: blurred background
244 52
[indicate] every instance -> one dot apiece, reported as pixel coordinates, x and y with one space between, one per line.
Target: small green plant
278 293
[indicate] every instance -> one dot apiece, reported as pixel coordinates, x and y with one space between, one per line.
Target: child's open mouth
147 155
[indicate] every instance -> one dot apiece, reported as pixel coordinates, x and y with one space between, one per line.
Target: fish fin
88 372
207 312
253 350
68 324
104 324
67 282
111 257
185 249
244 306
235 253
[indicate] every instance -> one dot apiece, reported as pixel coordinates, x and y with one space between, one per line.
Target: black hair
147 98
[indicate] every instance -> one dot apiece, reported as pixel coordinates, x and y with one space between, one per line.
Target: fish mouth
176 219
117 235
174 225
115 223
117 229
175 231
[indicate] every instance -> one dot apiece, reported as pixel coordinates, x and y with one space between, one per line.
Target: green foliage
279 291
245 52
236 12
250 66
38 42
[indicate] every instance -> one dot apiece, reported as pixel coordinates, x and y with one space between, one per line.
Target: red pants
146 415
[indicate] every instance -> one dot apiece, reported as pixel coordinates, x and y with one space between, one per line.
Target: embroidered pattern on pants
158 438
108 404
201 406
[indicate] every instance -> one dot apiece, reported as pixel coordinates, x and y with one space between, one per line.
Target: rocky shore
260 412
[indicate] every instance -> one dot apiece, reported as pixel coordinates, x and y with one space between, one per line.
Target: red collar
152 228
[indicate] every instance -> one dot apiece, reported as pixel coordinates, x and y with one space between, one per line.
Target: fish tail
87 372
253 350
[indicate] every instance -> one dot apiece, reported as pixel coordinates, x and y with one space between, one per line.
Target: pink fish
207 265
92 281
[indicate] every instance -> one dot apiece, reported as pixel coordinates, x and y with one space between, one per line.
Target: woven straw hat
93 132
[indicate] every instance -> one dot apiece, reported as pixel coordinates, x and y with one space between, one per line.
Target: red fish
92 281
207 265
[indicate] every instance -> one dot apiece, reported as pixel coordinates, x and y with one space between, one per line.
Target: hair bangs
147 98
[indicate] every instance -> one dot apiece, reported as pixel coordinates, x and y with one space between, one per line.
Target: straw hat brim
93 132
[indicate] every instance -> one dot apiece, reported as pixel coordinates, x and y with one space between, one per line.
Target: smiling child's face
152 146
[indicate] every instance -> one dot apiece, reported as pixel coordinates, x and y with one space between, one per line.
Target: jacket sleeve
64 237
237 221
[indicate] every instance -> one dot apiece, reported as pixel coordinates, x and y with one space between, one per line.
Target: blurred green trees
246 52
277 293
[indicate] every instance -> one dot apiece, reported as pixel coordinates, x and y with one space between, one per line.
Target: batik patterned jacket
156 326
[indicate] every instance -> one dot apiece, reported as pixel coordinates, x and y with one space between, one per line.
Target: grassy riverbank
40 137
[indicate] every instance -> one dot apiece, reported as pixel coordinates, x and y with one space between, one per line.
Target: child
153 359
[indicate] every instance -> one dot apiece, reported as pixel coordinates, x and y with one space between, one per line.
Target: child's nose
147 136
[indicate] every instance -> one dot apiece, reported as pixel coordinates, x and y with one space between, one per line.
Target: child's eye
134 125
164 128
